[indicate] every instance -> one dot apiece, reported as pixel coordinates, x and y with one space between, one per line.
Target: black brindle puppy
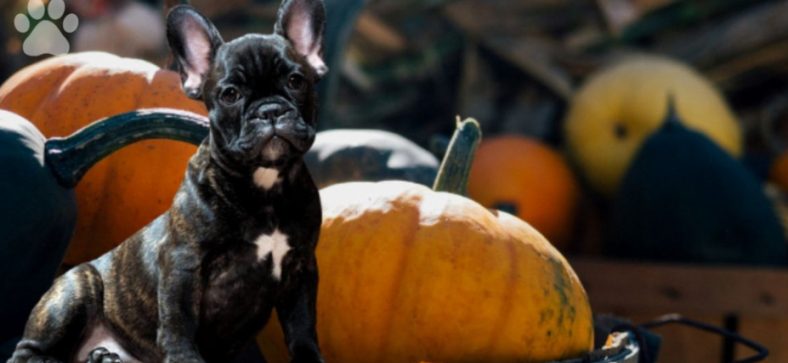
200 281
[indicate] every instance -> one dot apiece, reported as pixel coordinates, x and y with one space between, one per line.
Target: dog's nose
271 111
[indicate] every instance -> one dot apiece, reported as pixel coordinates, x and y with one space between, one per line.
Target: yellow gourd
618 108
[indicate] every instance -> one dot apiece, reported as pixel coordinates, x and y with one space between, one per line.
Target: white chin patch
271 151
276 246
266 177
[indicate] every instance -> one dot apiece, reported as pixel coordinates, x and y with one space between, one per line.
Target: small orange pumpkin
124 192
529 179
778 172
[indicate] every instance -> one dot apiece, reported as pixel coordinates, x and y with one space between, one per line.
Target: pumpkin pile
432 275
37 219
124 192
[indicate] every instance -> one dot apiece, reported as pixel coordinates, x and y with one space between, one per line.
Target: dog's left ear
303 23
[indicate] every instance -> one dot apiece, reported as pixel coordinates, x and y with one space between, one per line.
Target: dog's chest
251 267
273 247
255 260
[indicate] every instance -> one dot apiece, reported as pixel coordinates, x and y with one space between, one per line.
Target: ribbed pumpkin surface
409 274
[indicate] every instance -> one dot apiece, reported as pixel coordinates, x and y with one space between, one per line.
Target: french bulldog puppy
201 280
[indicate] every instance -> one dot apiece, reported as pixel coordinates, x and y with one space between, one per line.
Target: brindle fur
189 287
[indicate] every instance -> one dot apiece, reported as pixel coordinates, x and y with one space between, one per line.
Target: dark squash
686 200
368 155
38 210
37 219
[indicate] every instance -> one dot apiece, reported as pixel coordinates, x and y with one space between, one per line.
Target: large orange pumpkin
124 192
408 274
529 179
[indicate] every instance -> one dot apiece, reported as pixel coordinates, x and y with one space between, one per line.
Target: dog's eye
296 82
230 95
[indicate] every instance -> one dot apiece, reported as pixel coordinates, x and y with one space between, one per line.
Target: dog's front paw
102 355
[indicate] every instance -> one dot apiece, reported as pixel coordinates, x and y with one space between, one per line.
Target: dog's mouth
275 148
267 141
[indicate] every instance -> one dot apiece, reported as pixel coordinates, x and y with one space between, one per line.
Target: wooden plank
630 286
769 332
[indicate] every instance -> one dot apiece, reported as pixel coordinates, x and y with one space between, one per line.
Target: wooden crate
751 301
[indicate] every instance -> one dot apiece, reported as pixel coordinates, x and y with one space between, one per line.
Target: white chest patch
276 245
266 178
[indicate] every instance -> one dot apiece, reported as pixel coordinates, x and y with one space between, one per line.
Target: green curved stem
71 157
456 166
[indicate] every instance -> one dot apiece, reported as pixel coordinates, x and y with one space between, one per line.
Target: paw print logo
46 37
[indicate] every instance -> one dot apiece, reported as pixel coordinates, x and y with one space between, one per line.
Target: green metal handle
71 157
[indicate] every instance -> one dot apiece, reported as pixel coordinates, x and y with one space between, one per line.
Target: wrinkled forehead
259 55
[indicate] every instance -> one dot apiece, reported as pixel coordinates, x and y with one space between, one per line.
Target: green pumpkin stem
456 166
71 157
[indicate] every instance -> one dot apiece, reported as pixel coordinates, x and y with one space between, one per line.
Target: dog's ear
303 23
193 42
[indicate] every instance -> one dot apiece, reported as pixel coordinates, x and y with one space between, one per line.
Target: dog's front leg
296 312
180 293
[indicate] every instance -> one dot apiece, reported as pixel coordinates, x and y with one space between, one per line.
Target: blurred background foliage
411 66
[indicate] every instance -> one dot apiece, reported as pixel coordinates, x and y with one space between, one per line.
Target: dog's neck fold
244 186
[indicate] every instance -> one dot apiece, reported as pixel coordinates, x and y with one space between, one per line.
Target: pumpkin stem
672 116
71 157
456 166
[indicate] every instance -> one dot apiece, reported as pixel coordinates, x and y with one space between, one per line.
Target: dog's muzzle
279 130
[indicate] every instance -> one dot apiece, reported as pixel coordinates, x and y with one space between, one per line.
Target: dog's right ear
193 42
